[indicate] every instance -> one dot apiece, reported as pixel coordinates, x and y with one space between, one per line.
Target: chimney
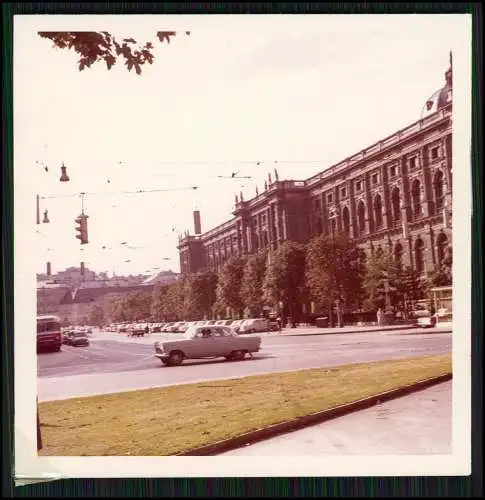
82 268
49 270
197 227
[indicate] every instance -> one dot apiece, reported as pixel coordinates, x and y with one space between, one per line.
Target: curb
340 331
314 418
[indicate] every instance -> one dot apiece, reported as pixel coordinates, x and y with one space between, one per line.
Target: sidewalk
419 423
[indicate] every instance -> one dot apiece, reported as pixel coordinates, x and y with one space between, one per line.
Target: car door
201 344
219 344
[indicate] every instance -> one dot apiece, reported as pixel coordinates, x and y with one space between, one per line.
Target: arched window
398 254
438 189
318 226
416 198
441 247
333 225
346 220
419 255
378 211
396 204
361 217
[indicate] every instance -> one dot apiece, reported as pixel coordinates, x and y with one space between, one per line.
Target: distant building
394 195
162 278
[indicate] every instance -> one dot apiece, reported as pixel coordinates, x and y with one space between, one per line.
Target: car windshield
45 327
79 334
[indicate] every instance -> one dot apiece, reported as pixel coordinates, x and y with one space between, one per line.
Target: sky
241 94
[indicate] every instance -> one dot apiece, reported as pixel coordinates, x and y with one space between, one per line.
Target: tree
118 312
138 304
98 46
157 302
252 283
284 279
442 275
410 288
96 316
405 286
228 290
200 295
374 280
173 301
335 270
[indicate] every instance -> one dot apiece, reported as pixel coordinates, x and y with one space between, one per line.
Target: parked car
137 330
78 338
428 321
200 342
254 326
235 325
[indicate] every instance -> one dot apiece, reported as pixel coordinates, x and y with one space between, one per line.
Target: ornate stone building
395 194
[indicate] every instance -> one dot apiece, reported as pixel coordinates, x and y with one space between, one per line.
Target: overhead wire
107 193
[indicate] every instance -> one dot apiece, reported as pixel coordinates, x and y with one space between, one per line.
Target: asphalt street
113 363
417 424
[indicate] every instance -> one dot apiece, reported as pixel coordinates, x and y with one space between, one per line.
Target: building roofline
365 153
377 147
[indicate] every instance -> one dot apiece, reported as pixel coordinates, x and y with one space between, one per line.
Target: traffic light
82 228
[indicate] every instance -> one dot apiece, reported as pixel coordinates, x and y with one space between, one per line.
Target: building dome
441 97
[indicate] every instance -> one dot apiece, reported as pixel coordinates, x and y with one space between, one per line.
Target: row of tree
288 279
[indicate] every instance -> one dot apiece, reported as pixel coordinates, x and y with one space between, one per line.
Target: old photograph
242 236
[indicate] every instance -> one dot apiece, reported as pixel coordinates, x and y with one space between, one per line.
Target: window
398 254
419 255
343 192
434 153
50 326
378 211
316 205
358 186
375 178
416 198
396 204
441 247
319 226
393 171
361 217
330 198
346 220
438 189
412 163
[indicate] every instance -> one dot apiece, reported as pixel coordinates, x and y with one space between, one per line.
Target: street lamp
64 177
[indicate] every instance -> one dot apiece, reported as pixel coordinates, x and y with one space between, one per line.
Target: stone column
244 235
352 212
284 223
369 225
405 194
427 196
386 199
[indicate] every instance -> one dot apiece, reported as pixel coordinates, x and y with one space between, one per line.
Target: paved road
416 424
122 364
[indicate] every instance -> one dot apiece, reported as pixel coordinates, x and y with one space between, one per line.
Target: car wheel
238 355
57 349
166 362
175 358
